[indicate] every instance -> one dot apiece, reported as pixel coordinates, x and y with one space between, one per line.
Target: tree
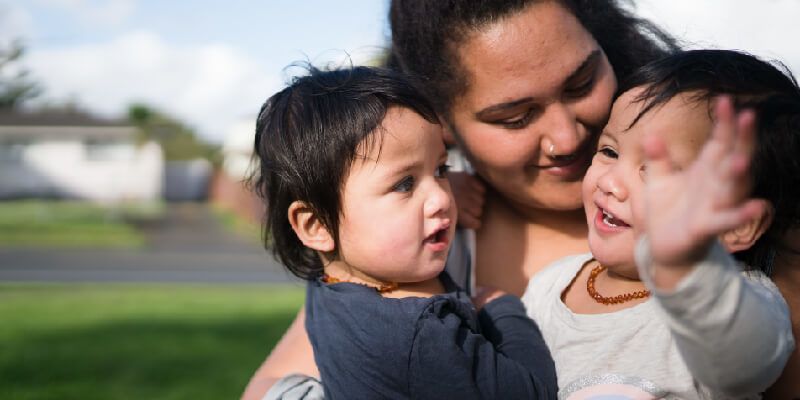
15 84
178 141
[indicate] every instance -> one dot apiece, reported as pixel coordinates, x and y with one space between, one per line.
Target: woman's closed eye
405 185
581 89
518 121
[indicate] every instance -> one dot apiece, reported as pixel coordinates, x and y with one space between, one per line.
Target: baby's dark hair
307 137
772 92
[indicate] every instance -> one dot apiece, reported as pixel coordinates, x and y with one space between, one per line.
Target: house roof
62 125
55 118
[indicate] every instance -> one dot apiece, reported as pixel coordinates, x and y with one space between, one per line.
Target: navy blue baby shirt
370 347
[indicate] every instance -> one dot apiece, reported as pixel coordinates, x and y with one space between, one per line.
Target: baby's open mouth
612 221
439 236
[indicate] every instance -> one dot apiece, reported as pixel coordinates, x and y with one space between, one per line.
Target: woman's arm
787 278
292 355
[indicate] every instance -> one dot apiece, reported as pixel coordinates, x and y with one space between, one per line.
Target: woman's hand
685 210
469 192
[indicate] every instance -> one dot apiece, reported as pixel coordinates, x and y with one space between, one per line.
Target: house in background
228 188
73 155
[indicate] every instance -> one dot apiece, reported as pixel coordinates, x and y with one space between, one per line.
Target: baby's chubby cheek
399 234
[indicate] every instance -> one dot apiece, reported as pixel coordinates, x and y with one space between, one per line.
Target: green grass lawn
38 223
249 230
116 341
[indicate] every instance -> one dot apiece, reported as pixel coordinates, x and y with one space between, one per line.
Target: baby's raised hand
685 210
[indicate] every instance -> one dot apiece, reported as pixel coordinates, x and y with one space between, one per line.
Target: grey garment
732 328
295 387
721 334
460 260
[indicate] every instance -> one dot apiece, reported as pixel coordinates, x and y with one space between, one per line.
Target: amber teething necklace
383 288
619 299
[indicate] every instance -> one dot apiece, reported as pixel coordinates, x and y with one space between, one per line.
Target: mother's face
539 89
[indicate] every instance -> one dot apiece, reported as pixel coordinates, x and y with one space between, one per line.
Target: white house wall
237 149
71 169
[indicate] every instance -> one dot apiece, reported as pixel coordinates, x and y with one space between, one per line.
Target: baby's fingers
656 156
730 219
734 169
463 184
723 132
477 185
745 143
468 221
470 212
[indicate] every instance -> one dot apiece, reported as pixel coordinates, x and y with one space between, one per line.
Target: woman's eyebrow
589 61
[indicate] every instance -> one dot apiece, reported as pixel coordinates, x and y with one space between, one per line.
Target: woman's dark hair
307 137
772 92
427 33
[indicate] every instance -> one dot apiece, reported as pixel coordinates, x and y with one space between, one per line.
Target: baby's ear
746 235
309 228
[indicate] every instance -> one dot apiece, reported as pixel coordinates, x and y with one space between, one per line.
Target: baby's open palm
685 210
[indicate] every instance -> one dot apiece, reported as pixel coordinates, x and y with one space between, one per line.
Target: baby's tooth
607 220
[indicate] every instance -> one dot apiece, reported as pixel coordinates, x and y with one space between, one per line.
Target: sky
211 64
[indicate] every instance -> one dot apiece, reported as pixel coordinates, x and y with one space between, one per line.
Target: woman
523 87
787 277
524 97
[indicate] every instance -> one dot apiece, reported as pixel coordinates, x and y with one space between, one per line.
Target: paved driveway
188 245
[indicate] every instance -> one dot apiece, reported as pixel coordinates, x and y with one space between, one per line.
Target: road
187 245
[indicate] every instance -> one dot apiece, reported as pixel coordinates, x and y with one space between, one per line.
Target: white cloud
208 86
766 28
15 22
211 85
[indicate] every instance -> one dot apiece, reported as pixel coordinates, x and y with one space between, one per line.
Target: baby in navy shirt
352 169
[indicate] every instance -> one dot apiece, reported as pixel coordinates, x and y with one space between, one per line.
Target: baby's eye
441 171
608 152
405 185
643 172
